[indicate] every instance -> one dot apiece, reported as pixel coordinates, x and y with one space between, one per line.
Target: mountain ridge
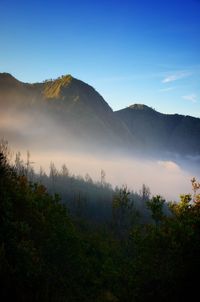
160 131
81 113
75 107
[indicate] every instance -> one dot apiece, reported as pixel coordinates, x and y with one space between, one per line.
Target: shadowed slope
162 132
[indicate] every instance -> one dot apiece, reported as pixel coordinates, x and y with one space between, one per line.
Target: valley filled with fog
164 177
47 141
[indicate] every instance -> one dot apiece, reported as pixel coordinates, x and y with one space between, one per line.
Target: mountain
68 113
65 110
159 132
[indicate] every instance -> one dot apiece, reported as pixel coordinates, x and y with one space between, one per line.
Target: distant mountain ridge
162 132
70 111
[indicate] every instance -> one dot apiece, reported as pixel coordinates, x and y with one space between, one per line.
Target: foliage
124 212
46 254
156 207
53 89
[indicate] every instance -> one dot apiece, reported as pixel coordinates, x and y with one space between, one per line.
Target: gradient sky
130 51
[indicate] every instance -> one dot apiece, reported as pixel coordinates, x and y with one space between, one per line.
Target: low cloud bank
165 178
48 142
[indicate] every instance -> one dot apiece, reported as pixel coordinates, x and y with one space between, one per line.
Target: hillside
68 113
49 253
67 109
162 132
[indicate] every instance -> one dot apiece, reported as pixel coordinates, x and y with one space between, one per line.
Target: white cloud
167 89
176 76
190 97
169 165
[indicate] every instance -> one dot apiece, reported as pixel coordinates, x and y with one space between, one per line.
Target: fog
48 142
165 178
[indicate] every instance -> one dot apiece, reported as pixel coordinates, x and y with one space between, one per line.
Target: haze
164 177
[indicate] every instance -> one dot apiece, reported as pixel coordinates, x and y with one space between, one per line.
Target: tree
64 171
145 193
123 211
29 172
53 173
195 188
155 205
103 177
19 164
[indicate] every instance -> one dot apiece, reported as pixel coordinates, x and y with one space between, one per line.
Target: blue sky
129 51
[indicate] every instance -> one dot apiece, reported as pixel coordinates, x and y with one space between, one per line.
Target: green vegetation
52 89
48 253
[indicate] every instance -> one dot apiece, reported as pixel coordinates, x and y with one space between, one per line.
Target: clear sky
130 51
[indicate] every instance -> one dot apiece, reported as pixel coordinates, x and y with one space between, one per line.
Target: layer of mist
165 178
48 142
